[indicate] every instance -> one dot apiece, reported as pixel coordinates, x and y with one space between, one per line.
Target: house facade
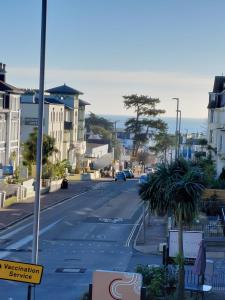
216 122
63 120
53 120
9 121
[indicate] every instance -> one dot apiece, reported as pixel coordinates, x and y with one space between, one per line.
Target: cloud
105 88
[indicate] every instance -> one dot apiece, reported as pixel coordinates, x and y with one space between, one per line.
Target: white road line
26 240
132 232
31 216
8 235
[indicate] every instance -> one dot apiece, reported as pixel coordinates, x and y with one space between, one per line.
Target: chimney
2 72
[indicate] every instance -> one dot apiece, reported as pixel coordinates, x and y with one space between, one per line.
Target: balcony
68 125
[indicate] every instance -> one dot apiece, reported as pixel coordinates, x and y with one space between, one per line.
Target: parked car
128 173
120 176
143 178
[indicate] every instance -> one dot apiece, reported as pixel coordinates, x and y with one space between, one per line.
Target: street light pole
179 137
36 222
176 149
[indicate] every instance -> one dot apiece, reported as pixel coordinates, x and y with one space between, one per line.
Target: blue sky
162 48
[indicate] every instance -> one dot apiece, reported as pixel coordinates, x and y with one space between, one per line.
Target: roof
5 87
83 103
64 90
219 84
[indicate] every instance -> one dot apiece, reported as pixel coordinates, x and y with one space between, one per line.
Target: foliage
175 187
163 142
30 148
143 157
154 279
94 120
145 124
104 128
207 166
102 132
55 171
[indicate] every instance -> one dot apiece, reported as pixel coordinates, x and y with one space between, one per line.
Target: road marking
26 240
20 222
132 232
8 235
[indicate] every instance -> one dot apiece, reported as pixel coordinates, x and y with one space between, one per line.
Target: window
6 102
212 116
210 136
221 143
1 101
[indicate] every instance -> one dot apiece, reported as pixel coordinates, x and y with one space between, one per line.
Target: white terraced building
63 119
9 121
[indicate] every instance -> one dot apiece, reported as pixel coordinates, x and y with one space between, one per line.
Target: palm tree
30 148
175 188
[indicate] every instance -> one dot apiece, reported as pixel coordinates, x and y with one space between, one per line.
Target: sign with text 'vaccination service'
22 272
110 285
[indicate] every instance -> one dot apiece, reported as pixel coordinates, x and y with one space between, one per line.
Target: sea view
190 125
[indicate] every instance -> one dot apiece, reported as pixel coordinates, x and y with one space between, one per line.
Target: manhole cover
70 270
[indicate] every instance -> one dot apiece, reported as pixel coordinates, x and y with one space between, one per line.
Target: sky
111 48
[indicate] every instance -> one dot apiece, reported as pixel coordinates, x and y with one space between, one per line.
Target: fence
216 280
211 229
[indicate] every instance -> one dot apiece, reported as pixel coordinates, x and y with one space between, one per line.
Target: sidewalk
21 210
155 233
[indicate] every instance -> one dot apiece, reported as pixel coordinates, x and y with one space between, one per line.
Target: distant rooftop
64 90
83 103
5 87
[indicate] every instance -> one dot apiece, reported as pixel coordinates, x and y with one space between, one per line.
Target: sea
188 125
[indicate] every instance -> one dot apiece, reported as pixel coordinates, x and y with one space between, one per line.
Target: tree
94 120
163 142
104 128
145 124
101 131
30 148
175 188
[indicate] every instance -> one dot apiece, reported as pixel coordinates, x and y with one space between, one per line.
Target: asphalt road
94 230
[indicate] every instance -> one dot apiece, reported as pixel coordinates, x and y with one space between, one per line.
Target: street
93 230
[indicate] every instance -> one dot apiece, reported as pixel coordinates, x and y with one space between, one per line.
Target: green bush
154 279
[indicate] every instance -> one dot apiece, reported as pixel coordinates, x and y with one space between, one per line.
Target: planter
55 185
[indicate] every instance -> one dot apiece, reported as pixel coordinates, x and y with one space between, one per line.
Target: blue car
120 176
143 179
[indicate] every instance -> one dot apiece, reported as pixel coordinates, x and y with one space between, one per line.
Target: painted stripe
26 240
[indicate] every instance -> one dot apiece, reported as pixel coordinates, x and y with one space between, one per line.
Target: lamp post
36 222
176 134
179 137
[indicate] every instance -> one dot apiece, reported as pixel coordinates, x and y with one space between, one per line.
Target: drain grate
70 270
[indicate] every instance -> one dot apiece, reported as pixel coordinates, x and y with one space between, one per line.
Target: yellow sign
16 271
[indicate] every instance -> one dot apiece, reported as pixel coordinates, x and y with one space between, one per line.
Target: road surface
93 230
